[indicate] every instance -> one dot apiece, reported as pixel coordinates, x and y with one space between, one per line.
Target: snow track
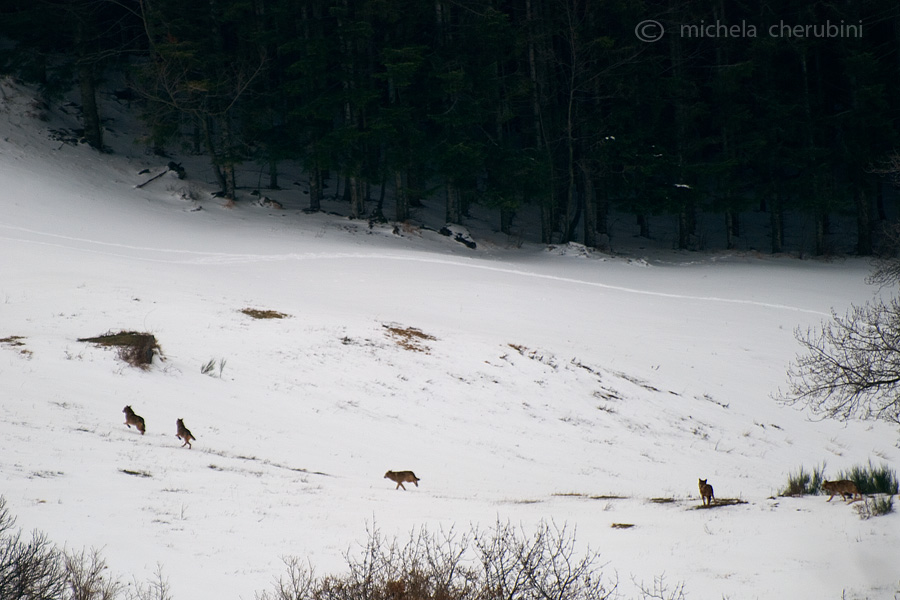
193 257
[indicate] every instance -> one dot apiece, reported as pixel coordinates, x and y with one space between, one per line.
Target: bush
872 480
37 569
210 368
803 483
28 568
882 506
495 565
135 348
87 579
875 507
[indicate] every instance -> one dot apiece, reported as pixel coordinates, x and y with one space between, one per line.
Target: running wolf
844 487
133 419
706 493
402 476
184 433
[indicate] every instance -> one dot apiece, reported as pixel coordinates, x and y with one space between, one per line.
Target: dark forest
574 108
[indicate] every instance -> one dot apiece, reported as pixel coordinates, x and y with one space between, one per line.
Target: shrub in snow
803 483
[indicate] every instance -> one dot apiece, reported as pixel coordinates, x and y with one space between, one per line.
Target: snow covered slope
519 383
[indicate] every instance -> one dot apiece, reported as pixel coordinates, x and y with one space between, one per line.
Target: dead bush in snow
259 313
135 348
87 577
35 568
497 564
29 568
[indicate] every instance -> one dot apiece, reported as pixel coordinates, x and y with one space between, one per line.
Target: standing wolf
706 493
184 433
402 476
133 419
844 487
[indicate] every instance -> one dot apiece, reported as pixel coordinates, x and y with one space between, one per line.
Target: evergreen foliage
803 483
873 480
552 103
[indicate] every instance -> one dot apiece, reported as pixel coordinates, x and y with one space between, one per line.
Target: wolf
706 493
402 476
184 433
844 487
133 419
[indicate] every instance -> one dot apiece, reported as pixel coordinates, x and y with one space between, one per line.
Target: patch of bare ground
541 357
258 313
589 496
15 341
409 338
136 473
720 502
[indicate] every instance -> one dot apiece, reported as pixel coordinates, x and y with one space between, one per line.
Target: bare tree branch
850 368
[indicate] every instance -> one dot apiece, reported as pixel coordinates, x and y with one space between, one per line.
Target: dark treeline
572 106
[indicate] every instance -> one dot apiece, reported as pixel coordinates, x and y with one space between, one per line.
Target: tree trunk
93 131
401 196
228 167
820 232
818 193
230 182
686 217
602 200
357 198
535 74
273 174
590 206
507 215
573 199
643 222
453 208
863 222
378 215
684 229
345 197
776 219
732 229
213 154
90 115
546 221
315 189
197 140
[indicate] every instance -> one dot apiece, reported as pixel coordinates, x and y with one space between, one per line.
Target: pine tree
206 60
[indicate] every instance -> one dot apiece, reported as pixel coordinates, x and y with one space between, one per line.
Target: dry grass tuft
589 496
257 313
409 338
135 348
15 341
718 502
136 473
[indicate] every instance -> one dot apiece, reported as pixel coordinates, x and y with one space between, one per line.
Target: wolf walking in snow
133 419
184 433
844 487
402 476
706 493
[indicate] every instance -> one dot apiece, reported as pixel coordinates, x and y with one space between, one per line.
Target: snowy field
548 378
